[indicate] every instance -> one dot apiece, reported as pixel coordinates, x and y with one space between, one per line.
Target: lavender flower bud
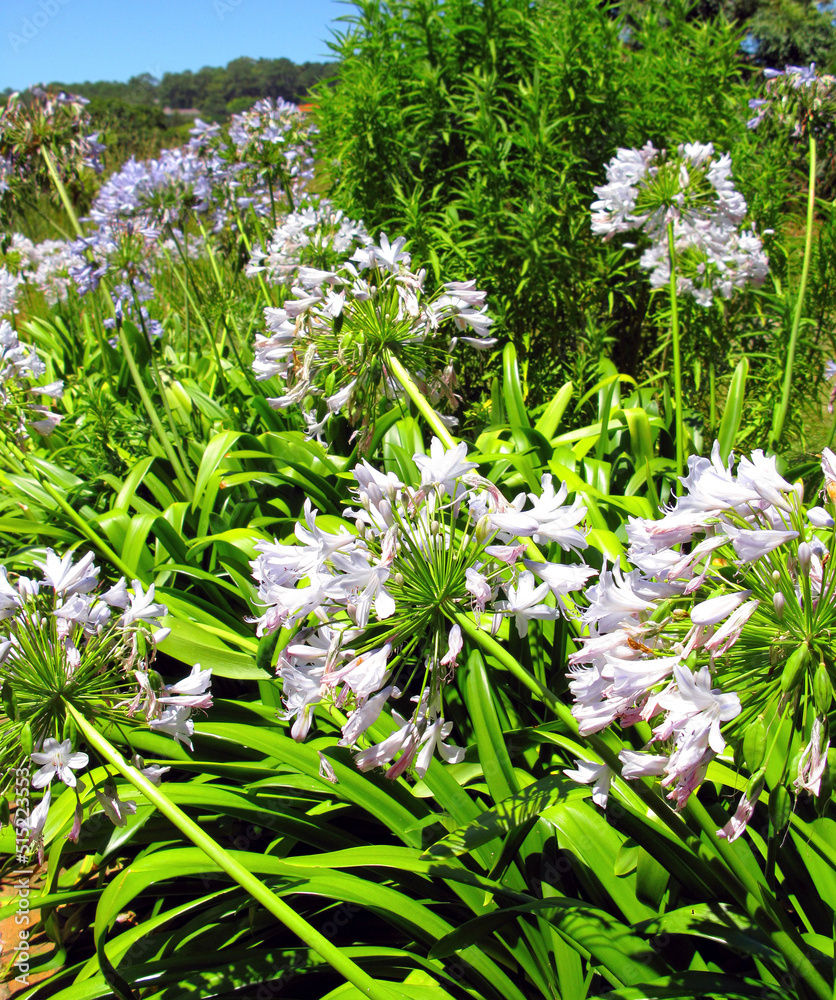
779 603
805 556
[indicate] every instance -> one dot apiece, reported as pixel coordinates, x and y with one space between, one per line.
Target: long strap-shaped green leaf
328 951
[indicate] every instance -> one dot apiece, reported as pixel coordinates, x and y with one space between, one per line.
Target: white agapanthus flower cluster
45 266
20 369
329 342
693 191
66 639
375 607
316 235
9 290
723 624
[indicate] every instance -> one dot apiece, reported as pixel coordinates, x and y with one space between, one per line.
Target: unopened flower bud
385 509
483 529
805 556
776 576
435 527
799 492
360 525
779 603
398 579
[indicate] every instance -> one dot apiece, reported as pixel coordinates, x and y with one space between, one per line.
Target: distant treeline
131 119
215 91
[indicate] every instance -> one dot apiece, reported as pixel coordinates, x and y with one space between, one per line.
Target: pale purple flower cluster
315 235
213 176
127 251
50 121
328 340
9 286
66 627
45 266
85 621
669 643
275 135
160 189
20 369
797 97
647 191
374 608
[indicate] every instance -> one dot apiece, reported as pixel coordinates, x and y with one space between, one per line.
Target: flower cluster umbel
41 124
316 235
330 341
376 606
723 630
20 369
693 192
67 640
797 98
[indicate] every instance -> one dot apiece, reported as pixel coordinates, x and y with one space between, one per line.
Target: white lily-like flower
175 722
115 809
598 775
443 466
525 602
57 759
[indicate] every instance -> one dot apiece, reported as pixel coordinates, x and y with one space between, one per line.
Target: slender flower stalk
677 360
227 862
782 408
436 424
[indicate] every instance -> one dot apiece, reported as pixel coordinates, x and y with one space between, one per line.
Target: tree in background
775 32
211 89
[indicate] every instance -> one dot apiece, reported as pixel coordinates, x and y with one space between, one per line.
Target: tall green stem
420 401
677 363
781 412
62 191
328 951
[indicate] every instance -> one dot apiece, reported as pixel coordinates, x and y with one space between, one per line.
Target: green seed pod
794 667
755 786
754 744
780 807
26 741
822 689
4 813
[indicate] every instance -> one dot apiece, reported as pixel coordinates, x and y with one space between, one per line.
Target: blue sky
78 40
